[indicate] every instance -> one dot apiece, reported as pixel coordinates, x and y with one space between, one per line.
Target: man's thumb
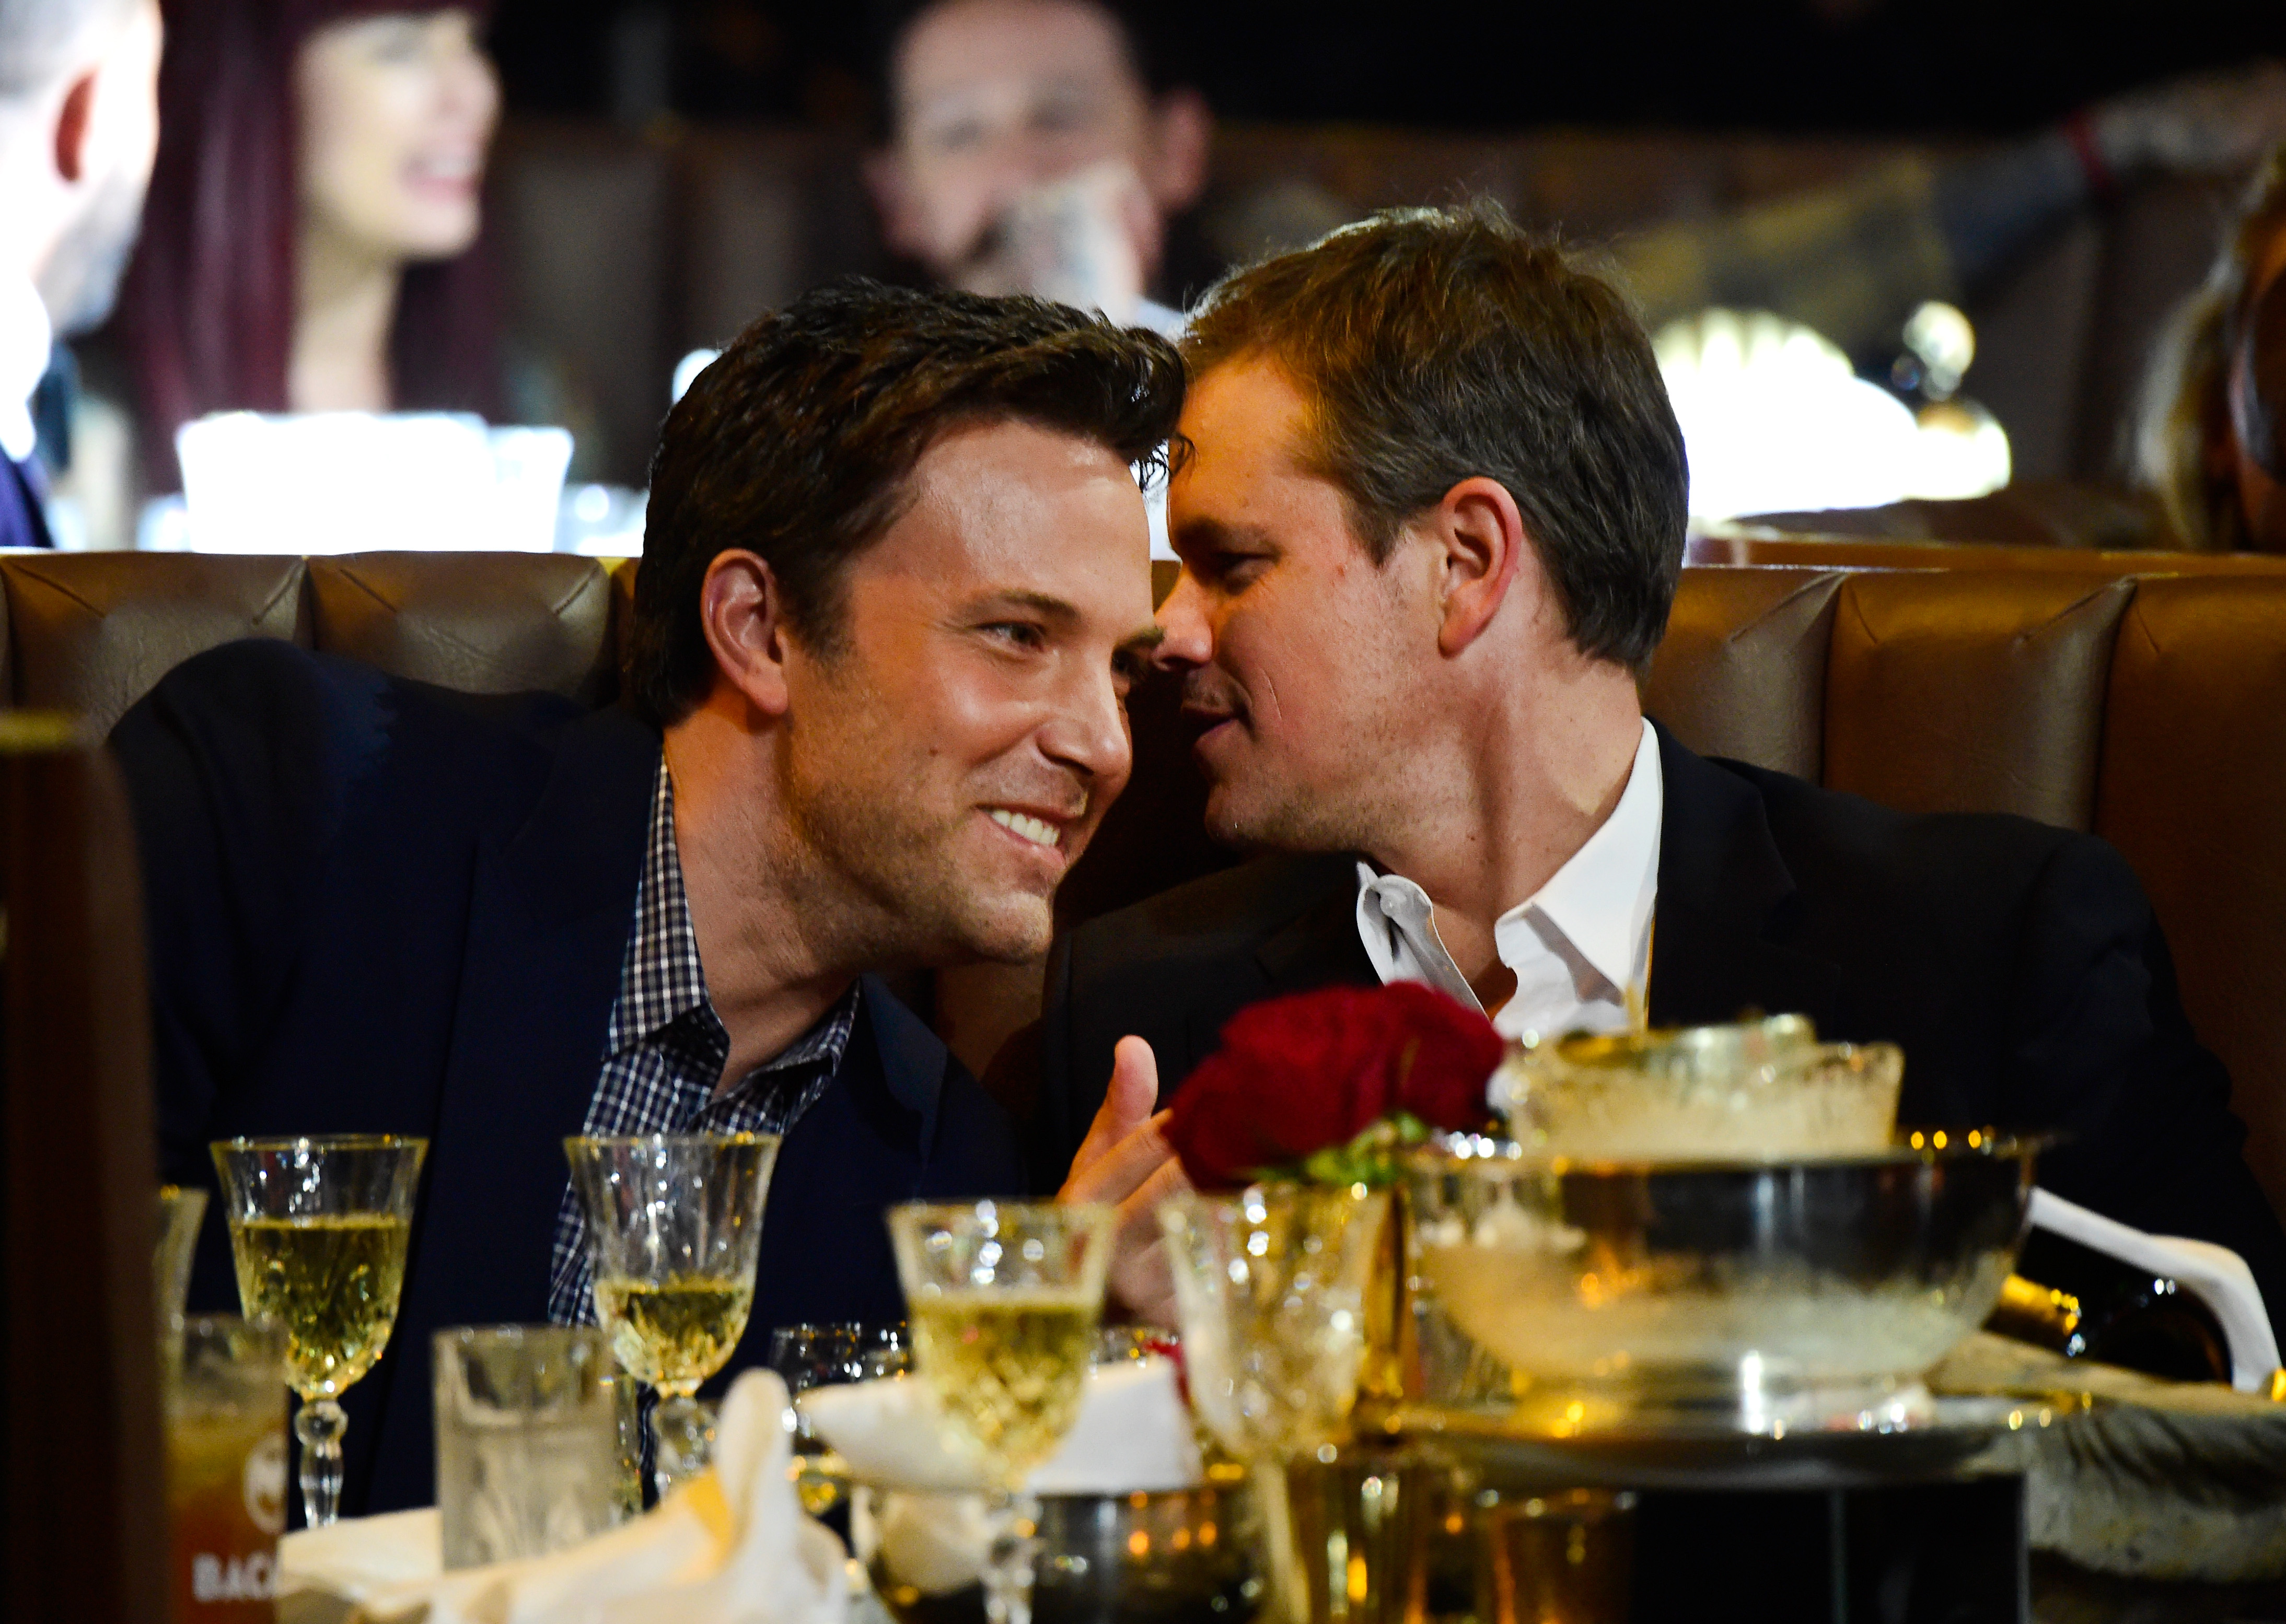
1134 1091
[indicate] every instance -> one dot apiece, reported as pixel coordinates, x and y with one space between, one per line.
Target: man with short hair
1430 523
893 591
79 126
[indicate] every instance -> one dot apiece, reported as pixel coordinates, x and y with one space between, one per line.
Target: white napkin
731 1547
2215 1274
1133 1435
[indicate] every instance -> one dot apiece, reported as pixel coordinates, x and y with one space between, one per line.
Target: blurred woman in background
313 240
2210 440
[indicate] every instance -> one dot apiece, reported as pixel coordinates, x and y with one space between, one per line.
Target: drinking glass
318 1229
180 1211
527 1439
224 1382
1004 1299
1270 1285
808 1356
674 1229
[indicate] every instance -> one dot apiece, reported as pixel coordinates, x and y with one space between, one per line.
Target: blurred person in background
1029 150
314 238
1034 146
78 125
2210 438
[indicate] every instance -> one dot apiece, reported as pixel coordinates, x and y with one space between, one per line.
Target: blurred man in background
1032 147
79 124
1028 152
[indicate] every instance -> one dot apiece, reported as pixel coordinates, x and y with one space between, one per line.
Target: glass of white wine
1005 1297
318 1229
674 1229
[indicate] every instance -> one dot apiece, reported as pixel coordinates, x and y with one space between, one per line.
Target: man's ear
743 613
1184 128
74 125
1482 534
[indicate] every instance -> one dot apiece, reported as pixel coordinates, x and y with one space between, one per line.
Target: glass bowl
1765 1090
1717 1295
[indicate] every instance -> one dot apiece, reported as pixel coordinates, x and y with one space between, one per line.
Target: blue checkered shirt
665 1048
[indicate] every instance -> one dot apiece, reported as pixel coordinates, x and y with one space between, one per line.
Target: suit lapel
548 915
1726 906
1317 948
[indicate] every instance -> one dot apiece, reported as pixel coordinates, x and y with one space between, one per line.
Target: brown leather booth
2149 708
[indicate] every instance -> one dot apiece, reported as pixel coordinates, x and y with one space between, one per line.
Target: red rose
1297 1075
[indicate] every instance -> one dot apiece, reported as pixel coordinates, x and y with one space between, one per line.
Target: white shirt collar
26 339
1602 898
1598 905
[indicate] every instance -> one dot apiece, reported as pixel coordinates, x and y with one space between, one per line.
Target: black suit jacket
2019 967
376 905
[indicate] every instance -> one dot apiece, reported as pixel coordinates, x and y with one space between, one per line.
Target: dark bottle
2085 1304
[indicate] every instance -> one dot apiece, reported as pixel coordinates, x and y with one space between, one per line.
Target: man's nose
1187 637
1088 733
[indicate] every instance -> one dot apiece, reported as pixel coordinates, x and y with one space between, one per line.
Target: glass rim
535 1330
922 1212
1505 1156
322 1141
630 1141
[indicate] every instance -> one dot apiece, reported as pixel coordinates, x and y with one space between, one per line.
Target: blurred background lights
1777 420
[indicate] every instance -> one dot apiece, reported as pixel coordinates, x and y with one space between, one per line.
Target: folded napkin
1133 1435
729 1546
2216 1275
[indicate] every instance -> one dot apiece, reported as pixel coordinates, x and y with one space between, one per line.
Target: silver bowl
1178 1555
1726 1296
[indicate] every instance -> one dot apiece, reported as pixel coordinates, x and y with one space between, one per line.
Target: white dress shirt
26 338
1576 944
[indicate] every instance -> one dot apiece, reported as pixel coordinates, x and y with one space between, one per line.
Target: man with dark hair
1431 527
79 125
892 590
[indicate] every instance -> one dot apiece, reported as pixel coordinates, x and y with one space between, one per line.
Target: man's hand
1087 239
1124 1162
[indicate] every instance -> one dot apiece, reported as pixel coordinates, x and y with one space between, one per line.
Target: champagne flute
674 1229
1004 1299
318 1229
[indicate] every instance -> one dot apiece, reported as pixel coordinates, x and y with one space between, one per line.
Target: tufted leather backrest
2149 707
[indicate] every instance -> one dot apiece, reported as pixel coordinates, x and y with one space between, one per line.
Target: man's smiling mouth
1027 827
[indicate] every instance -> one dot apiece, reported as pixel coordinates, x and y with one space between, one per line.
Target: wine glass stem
1013 1522
320 1425
682 1440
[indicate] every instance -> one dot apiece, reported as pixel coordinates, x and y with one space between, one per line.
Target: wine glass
674 1229
808 1356
318 1229
1005 1297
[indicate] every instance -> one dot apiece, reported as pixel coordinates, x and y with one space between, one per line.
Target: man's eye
1018 633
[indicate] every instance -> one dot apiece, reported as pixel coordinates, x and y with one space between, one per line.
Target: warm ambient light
1775 420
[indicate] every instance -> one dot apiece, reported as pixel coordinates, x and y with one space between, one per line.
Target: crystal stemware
1004 1299
674 1229
318 1229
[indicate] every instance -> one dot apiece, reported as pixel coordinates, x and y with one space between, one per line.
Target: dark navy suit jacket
2019 967
378 906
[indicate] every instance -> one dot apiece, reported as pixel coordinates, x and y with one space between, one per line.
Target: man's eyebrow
1045 604
1204 532
1146 637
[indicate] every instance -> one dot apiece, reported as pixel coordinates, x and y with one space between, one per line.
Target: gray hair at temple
40 40
2183 422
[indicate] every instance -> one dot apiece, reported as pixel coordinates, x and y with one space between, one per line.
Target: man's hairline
825 638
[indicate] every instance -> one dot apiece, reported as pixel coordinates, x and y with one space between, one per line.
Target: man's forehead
1246 415
970 47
